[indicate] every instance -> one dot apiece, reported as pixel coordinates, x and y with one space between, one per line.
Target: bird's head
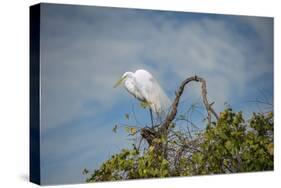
123 78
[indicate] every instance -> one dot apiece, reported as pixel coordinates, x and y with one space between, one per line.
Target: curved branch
171 116
149 134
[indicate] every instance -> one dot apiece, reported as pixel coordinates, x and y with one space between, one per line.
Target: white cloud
83 58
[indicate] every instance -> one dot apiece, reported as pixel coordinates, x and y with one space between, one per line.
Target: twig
134 115
140 144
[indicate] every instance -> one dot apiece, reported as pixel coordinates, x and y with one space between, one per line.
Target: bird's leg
151 117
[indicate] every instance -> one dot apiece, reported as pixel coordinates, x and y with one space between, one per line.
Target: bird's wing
152 91
131 87
162 102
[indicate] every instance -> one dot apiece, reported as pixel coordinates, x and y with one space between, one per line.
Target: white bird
143 86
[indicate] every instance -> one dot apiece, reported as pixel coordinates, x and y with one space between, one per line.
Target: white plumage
145 88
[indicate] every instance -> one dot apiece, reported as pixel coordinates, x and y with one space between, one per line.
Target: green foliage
231 145
130 164
227 146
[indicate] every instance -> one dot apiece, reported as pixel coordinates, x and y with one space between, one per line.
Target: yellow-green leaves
145 104
131 130
229 145
270 148
238 145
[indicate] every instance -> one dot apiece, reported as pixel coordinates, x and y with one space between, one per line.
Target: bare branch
171 116
162 130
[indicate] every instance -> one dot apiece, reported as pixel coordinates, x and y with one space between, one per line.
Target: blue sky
85 49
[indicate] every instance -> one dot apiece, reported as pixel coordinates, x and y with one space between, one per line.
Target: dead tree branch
151 133
171 116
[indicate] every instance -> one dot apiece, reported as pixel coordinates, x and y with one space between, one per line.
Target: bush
229 145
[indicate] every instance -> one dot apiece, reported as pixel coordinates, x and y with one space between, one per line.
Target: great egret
143 86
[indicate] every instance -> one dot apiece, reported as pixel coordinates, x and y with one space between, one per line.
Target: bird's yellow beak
119 82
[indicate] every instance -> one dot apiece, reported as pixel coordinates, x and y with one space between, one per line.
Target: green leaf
115 128
85 171
133 130
127 116
228 145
